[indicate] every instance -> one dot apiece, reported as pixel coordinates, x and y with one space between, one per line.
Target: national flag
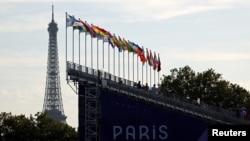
136 49
104 32
88 28
98 31
142 56
123 46
107 38
151 58
155 61
79 26
139 50
159 63
127 46
70 20
116 42
110 42
148 58
131 45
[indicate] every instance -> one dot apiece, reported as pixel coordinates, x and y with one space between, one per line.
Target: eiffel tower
53 99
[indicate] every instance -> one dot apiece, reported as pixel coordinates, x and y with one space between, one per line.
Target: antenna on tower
52 12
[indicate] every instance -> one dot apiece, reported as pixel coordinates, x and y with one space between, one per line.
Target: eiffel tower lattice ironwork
53 99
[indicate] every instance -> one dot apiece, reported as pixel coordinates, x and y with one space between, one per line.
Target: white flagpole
79 49
147 66
103 54
97 65
91 53
142 67
123 64
157 69
128 65
137 69
73 45
114 61
146 72
154 76
118 63
66 44
108 58
158 77
133 67
142 72
85 49
150 75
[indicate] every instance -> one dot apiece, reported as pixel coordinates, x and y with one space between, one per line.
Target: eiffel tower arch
53 98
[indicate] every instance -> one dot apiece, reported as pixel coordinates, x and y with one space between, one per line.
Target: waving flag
116 42
140 53
107 38
102 31
131 45
110 42
78 25
121 42
159 63
98 31
155 62
149 60
70 20
142 56
88 28
127 45
136 49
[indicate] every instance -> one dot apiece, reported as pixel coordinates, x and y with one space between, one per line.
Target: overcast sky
202 34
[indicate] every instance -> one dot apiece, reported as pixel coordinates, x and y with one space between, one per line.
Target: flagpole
118 63
79 49
158 77
66 44
73 45
97 61
142 71
155 62
85 49
114 61
91 53
150 78
123 64
146 72
103 55
142 65
154 76
137 69
133 67
158 68
128 65
108 58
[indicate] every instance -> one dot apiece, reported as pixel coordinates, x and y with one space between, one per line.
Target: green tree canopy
208 86
38 128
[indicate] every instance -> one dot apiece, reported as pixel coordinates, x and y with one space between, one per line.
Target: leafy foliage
38 128
208 86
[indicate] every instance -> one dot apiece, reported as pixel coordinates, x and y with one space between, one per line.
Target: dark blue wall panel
124 119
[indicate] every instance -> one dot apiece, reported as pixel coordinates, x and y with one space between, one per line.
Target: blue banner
127 119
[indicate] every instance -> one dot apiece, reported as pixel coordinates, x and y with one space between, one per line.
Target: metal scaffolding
92 113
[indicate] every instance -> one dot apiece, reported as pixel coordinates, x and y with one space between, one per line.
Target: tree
38 128
208 86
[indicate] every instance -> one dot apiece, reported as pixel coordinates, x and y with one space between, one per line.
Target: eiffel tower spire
53 99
